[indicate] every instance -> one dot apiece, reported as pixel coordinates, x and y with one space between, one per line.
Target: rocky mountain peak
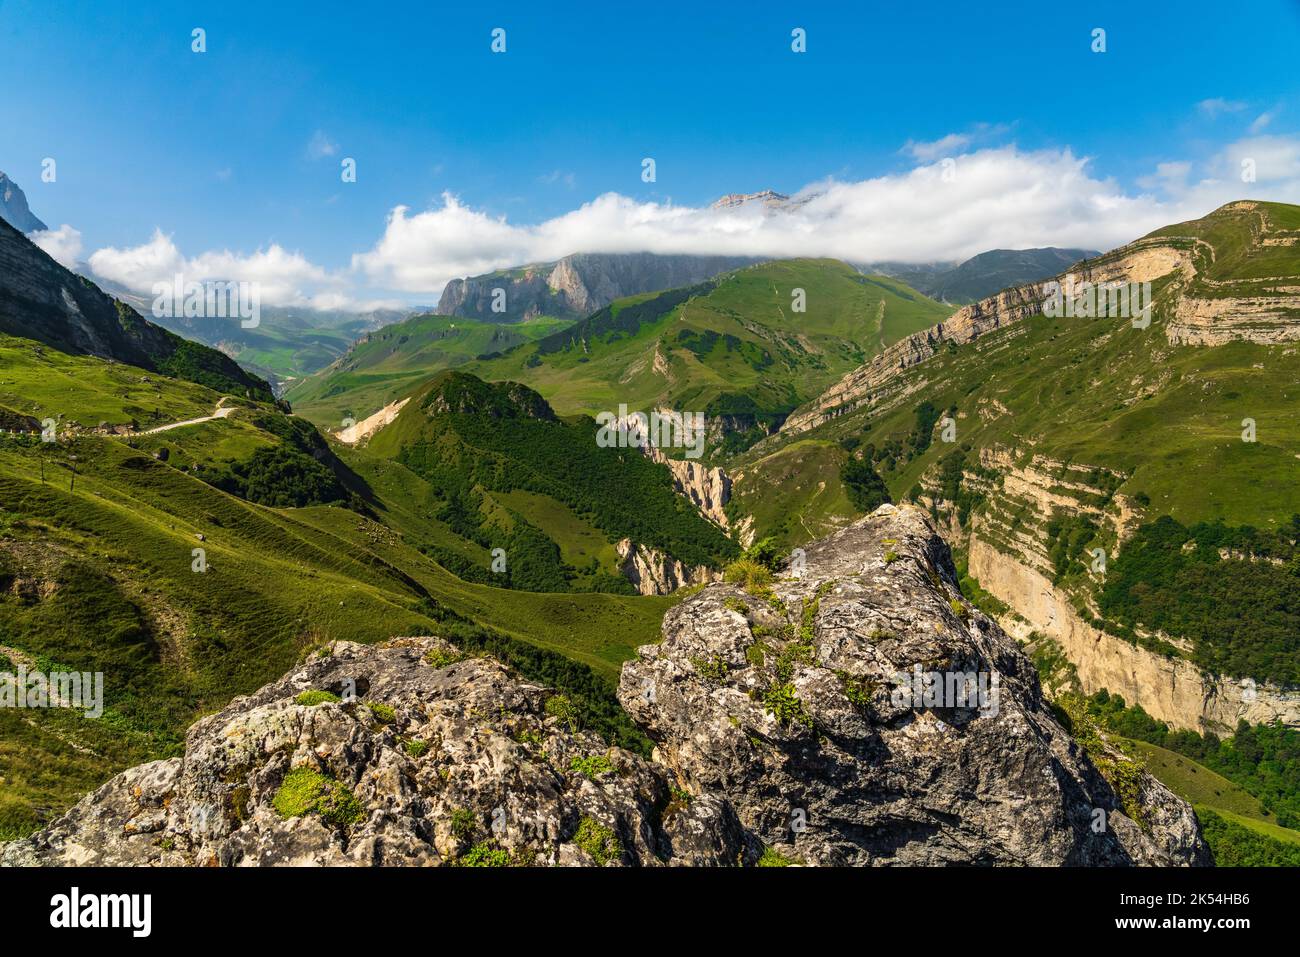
789 725
14 209
766 197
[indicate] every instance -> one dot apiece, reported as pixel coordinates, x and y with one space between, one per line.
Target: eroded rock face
654 573
14 209
795 718
1142 261
779 729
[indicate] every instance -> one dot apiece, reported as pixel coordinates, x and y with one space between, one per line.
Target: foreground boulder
817 707
404 753
790 724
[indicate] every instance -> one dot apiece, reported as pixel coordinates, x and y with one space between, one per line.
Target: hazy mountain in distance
14 209
982 275
768 198
289 342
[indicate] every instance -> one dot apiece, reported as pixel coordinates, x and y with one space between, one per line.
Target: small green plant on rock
442 658
598 841
771 858
561 706
784 704
591 767
304 790
858 691
732 603
309 699
382 712
748 574
485 854
463 823
712 669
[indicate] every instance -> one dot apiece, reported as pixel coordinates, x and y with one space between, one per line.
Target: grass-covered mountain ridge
744 349
1072 435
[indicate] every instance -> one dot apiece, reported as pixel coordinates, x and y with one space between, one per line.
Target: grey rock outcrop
435 760
794 708
778 726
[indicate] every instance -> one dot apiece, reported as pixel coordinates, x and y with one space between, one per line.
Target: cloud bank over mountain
944 208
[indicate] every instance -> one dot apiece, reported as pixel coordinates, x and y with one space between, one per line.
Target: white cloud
944 146
320 146
1000 197
63 245
284 278
558 176
1261 121
1276 161
1216 106
1168 176
954 143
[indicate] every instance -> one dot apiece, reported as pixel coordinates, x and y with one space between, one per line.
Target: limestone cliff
1142 261
577 285
654 573
1172 690
707 488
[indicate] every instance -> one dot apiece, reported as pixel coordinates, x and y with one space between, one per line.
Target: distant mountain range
14 209
735 346
288 344
983 275
577 285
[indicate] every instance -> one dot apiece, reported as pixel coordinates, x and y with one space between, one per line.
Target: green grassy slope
1238 263
390 362
1203 788
1103 393
1117 419
467 437
97 574
734 345
1239 830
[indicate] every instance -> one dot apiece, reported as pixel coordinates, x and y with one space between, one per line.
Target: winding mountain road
220 412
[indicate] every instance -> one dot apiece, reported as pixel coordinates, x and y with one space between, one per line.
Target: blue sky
215 150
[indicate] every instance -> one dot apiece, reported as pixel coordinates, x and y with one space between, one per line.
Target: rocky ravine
774 729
